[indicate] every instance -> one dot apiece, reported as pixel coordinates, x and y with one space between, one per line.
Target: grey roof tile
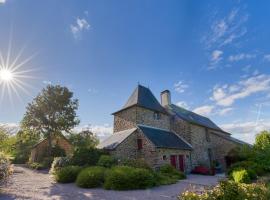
163 138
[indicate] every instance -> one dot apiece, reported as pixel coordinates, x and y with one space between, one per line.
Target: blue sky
214 56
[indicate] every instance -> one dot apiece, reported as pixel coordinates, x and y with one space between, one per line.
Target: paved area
29 184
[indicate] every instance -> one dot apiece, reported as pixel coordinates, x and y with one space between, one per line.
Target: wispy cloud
216 56
182 104
80 25
226 95
11 128
180 87
2 1
224 111
205 110
225 30
267 57
101 131
241 56
47 82
247 130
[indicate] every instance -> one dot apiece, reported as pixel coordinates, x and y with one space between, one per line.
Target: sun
6 75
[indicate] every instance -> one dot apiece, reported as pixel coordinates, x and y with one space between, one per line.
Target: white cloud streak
226 95
2 1
241 56
182 104
205 110
180 87
80 25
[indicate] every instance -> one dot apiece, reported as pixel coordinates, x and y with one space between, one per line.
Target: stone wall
130 117
182 128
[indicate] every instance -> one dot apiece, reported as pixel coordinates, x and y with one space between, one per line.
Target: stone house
38 151
163 133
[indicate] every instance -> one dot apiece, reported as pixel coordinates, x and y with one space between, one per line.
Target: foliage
136 163
241 176
25 139
170 171
164 179
58 163
84 139
262 140
47 162
67 174
4 167
57 151
36 165
228 190
125 178
7 142
91 177
51 112
86 156
106 161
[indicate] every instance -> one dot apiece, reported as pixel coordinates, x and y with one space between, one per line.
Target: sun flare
6 75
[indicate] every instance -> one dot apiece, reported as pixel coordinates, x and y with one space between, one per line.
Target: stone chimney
165 98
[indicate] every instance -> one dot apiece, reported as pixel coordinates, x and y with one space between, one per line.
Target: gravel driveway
29 184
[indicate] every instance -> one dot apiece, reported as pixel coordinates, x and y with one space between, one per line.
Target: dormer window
157 116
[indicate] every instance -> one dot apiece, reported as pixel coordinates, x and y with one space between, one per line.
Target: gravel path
29 184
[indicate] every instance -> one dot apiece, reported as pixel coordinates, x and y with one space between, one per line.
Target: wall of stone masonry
146 117
182 128
130 117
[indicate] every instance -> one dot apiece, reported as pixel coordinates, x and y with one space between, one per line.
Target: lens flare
6 75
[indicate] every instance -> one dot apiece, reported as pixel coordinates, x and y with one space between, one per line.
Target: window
139 143
207 135
157 115
164 157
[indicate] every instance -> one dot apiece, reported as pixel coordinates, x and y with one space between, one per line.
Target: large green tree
262 141
83 139
52 112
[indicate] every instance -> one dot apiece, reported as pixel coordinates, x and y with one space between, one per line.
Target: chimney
165 98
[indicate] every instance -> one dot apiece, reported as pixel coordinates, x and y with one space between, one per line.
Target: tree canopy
262 140
51 112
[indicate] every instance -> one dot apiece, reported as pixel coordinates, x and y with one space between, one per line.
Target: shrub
228 190
125 178
241 176
57 151
136 163
36 166
4 167
164 179
86 156
67 174
47 162
106 161
58 163
91 177
172 172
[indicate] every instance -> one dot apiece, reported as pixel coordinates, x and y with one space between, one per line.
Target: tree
51 112
84 139
262 141
7 141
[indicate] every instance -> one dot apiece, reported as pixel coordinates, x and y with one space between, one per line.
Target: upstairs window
207 135
139 143
157 116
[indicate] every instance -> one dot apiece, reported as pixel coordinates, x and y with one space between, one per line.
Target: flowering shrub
241 176
58 163
228 190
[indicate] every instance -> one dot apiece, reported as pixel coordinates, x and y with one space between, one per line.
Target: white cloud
224 111
180 87
2 1
241 56
227 95
267 57
47 82
80 25
204 110
216 56
102 131
11 128
247 130
182 104
92 90
227 29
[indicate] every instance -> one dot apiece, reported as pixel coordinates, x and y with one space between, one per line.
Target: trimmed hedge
172 172
136 163
127 178
67 174
91 177
106 161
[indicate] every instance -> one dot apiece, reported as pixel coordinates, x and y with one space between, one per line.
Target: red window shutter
139 142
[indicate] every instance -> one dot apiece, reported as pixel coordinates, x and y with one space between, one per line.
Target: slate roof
192 117
115 139
164 139
143 97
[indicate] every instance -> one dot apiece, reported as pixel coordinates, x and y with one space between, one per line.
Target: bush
106 161
58 163
4 167
36 166
91 177
47 162
67 174
136 163
164 179
57 151
86 156
172 172
125 178
241 176
228 190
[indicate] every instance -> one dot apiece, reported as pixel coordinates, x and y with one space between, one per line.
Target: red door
181 162
173 160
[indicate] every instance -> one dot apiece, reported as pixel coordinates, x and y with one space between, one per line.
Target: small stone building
39 150
163 133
